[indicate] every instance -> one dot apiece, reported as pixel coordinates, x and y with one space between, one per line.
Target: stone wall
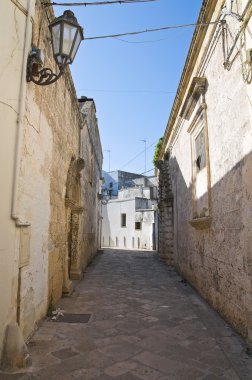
42 239
51 140
165 207
213 246
91 152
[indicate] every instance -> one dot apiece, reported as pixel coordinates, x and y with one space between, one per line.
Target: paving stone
145 325
120 351
120 368
64 353
146 373
86 374
127 376
11 376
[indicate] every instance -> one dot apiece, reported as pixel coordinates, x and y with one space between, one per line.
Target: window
138 226
194 111
123 220
200 150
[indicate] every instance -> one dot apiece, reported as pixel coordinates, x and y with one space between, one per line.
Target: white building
130 220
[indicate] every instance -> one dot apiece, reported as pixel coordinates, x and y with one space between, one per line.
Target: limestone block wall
91 152
34 245
165 207
12 19
215 257
51 138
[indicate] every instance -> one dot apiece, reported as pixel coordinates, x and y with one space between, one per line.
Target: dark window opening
123 220
138 226
200 150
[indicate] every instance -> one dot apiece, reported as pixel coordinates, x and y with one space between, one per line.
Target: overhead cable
148 171
152 30
85 4
139 154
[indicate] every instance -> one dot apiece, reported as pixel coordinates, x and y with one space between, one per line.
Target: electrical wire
47 4
139 154
147 171
141 42
150 30
151 41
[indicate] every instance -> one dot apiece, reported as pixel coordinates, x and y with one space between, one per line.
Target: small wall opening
123 220
124 242
138 225
133 242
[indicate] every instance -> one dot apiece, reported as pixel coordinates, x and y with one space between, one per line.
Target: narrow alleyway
145 324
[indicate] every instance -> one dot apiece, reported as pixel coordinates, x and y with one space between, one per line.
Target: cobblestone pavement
146 324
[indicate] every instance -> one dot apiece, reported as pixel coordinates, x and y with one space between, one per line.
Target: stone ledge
201 223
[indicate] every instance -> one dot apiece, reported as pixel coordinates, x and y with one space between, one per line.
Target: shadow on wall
217 260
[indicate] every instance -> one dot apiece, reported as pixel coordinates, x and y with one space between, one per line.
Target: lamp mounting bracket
38 74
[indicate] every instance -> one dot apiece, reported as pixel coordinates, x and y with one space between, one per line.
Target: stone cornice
197 88
201 223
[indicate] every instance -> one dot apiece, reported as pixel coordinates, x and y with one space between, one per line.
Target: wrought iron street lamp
66 36
106 196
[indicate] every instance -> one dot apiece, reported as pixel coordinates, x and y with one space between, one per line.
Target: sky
133 80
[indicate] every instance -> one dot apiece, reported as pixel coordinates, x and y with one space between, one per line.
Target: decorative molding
197 88
201 223
199 112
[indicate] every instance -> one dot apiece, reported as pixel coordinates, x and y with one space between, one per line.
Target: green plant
157 151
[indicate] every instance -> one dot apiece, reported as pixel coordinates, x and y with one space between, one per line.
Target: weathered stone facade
43 202
165 206
209 139
91 181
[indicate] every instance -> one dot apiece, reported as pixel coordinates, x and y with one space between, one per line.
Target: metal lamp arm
42 76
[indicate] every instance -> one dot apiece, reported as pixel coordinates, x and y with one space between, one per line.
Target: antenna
144 141
108 150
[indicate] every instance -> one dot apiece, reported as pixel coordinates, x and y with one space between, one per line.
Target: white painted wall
114 235
12 31
34 206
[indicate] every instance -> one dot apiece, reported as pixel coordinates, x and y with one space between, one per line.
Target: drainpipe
20 123
15 354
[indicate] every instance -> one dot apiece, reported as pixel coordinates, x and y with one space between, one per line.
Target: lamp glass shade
69 33
76 45
66 37
56 38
